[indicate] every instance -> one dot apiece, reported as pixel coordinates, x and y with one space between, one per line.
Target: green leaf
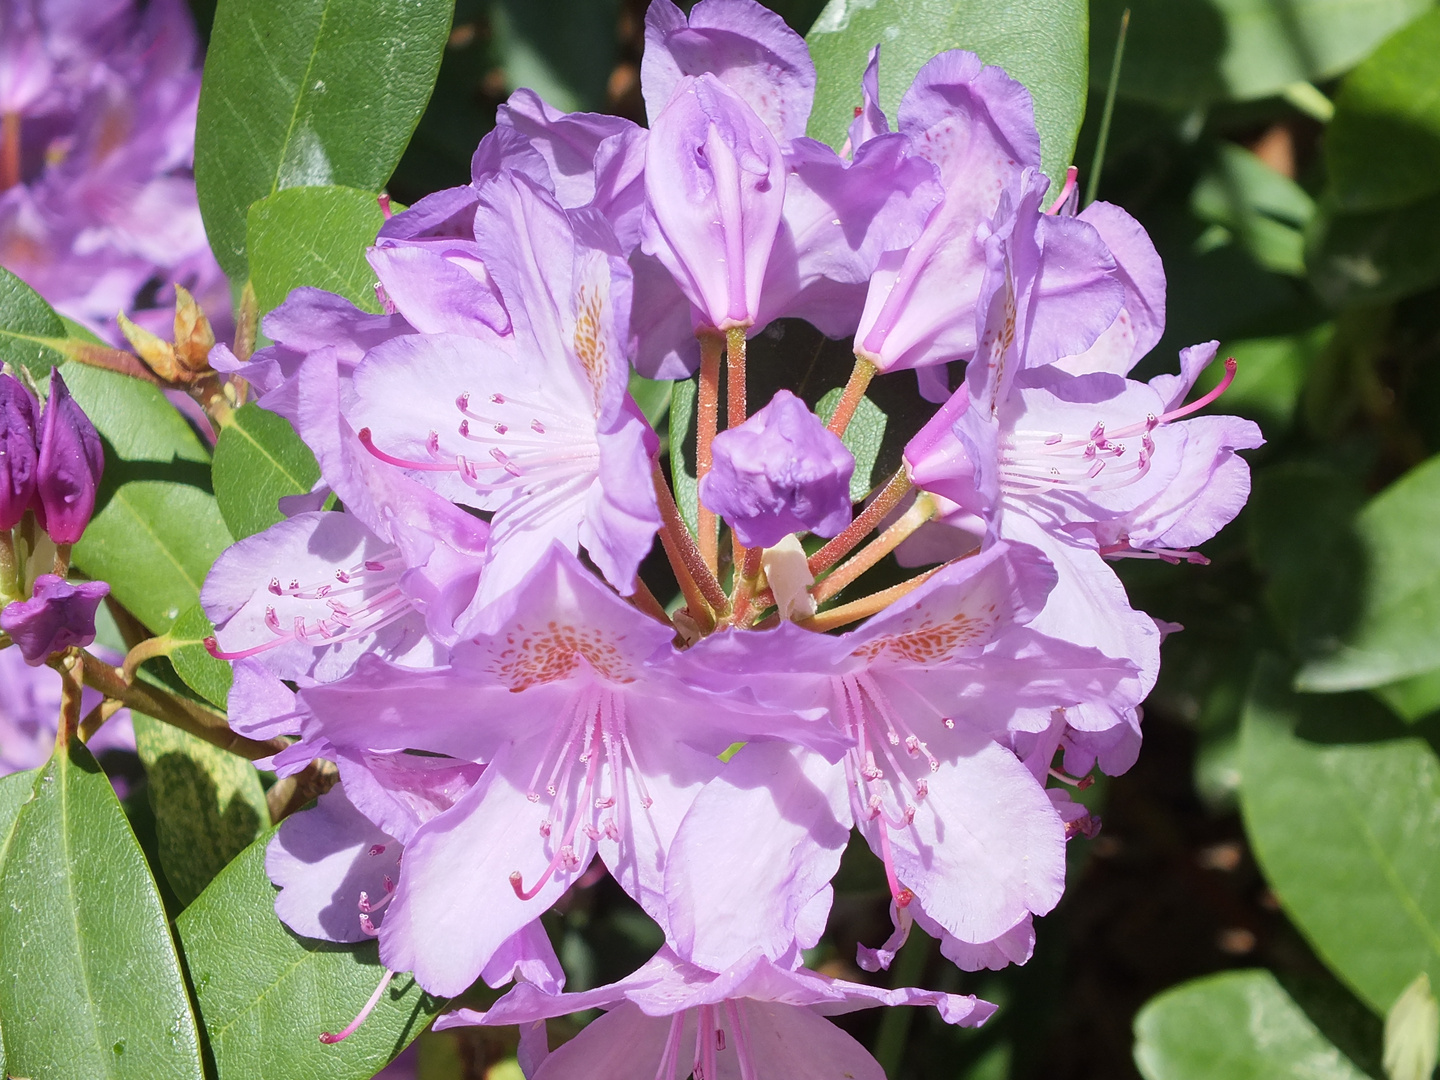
1373 257
271 1000
154 541
259 459
308 92
1414 698
90 984
208 677
26 321
564 50
1188 53
1040 42
1340 811
1265 210
682 451
653 397
208 804
1240 1025
15 791
862 438
1396 631
1383 146
157 528
313 236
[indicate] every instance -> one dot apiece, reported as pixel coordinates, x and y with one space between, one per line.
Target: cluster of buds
50 467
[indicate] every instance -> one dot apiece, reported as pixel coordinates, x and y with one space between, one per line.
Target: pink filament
1070 176
351 1028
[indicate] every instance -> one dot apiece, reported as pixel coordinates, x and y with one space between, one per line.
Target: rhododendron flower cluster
471 639
97 137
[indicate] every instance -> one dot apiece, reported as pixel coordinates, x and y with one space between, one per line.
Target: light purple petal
756 847
870 122
324 859
715 181
745 45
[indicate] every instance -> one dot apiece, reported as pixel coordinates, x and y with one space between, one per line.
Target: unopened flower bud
157 353
779 472
71 462
58 616
17 451
194 337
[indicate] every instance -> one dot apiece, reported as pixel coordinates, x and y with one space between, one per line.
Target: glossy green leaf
15 792
682 451
208 804
26 321
1395 632
313 236
1186 53
1341 811
1240 1025
157 528
270 1000
863 438
653 397
308 92
564 50
208 677
258 460
1040 42
1383 146
90 983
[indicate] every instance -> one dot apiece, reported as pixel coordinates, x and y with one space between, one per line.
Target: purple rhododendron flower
68 470
535 425
922 693
757 1019
573 710
58 616
513 713
97 200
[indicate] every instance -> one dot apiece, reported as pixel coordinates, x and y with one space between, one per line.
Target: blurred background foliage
1266 889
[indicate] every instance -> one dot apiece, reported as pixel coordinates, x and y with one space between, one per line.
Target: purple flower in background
30 711
58 616
778 473
759 1020
97 130
71 461
18 453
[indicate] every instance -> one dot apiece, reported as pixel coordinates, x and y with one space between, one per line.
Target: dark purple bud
58 616
779 472
17 451
71 462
